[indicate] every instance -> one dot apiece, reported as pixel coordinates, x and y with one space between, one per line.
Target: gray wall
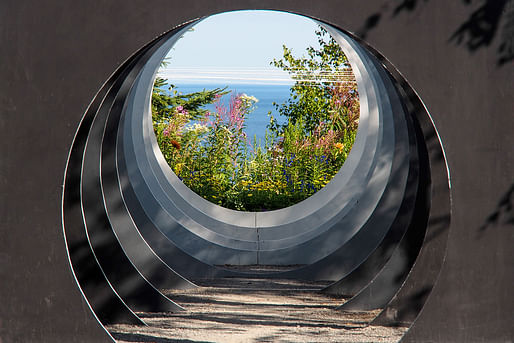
56 55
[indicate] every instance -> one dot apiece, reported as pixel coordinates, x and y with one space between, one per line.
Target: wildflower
180 108
175 144
339 146
178 168
199 128
248 98
166 132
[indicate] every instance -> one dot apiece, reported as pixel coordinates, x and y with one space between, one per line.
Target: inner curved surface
224 239
174 212
194 203
118 268
381 215
99 294
83 248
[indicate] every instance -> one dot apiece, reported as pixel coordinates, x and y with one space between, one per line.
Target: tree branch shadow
478 31
481 27
503 214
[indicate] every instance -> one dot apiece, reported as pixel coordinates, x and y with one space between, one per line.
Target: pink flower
180 108
166 132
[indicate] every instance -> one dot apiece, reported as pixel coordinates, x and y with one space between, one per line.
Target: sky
237 47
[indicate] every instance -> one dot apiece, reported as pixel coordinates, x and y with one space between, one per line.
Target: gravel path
255 310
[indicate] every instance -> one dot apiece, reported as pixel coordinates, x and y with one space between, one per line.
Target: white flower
249 98
197 128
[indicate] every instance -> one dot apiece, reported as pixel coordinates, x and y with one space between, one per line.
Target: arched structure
131 227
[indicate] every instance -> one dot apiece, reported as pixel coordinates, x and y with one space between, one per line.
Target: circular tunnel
133 228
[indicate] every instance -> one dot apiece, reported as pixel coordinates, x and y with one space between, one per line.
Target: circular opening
362 216
255 110
262 237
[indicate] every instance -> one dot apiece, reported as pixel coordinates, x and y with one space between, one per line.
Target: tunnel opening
137 236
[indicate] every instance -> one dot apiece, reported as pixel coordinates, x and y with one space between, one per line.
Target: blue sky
237 47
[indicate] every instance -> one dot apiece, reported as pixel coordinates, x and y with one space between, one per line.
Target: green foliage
210 153
164 103
318 76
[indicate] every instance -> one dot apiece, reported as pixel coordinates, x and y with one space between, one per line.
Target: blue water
266 94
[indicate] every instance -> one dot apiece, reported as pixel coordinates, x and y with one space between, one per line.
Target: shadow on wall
409 308
484 24
503 214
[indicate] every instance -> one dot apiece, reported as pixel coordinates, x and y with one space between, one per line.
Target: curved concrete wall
205 230
131 200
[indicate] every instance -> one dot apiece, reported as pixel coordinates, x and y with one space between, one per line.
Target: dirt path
256 310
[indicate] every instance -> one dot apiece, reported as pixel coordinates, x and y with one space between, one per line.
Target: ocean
257 121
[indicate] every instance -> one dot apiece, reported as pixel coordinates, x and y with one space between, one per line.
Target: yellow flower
339 146
178 167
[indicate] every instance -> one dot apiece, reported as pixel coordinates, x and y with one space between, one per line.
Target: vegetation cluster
211 153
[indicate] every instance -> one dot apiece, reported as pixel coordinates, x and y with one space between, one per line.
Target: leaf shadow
503 214
491 19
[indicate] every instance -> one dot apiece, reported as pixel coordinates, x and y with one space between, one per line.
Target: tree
164 104
324 89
